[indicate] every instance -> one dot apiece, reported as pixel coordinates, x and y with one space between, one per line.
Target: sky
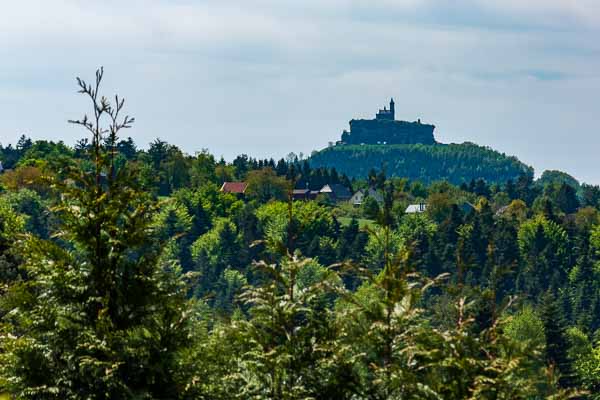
270 77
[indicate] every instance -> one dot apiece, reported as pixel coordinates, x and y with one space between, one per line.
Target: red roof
234 187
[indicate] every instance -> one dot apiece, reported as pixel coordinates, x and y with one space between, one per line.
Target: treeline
455 163
162 169
113 289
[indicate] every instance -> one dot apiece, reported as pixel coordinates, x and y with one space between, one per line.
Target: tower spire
393 108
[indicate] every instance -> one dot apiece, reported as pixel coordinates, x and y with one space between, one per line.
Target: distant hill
550 177
455 163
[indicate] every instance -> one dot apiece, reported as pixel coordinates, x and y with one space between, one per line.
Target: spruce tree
585 294
103 316
556 340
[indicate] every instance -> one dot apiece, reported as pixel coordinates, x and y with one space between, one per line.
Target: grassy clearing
362 223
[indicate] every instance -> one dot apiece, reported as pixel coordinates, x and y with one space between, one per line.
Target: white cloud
270 76
556 11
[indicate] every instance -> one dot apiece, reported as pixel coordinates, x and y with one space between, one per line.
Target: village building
238 188
301 194
416 208
336 192
360 196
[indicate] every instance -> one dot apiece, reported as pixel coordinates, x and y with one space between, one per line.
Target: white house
359 197
416 208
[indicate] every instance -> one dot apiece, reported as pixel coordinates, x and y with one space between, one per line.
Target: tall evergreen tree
557 346
102 317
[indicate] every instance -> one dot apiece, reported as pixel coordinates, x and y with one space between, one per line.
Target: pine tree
102 317
556 341
585 294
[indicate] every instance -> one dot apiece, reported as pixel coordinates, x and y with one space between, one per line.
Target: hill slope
456 163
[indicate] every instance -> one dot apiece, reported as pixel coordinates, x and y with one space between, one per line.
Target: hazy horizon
267 77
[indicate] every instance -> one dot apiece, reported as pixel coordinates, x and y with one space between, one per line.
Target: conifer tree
102 316
557 348
585 294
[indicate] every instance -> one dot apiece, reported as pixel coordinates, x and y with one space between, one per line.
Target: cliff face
378 131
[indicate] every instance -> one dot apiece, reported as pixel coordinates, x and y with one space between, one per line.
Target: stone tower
386 114
393 109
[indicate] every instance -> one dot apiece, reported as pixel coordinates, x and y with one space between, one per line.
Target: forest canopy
129 273
455 163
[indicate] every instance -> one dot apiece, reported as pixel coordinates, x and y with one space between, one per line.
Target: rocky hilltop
384 129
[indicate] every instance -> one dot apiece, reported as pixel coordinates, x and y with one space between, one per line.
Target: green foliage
526 327
286 348
543 248
557 354
376 248
47 154
553 177
203 169
584 284
214 252
172 220
292 299
587 365
370 208
172 223
265 185
455 163
102 317
32 207
402 356
309 220
12 225
564 196
595 240
216 203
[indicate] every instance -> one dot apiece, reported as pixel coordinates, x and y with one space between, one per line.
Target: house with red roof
234 187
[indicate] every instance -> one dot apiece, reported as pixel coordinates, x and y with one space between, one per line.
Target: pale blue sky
266 77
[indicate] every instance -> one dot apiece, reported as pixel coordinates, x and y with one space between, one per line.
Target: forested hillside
128 274
455 163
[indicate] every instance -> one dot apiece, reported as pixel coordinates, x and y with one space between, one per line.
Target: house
234 187
301 194
416 208
336 192
360 196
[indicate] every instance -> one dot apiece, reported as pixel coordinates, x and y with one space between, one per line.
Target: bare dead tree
103 109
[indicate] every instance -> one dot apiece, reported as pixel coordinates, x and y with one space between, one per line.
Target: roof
375 194
234 187
301 191
357 198
326 189
338 190
416 208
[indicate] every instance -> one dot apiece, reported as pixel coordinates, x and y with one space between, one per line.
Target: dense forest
128 274
455 163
